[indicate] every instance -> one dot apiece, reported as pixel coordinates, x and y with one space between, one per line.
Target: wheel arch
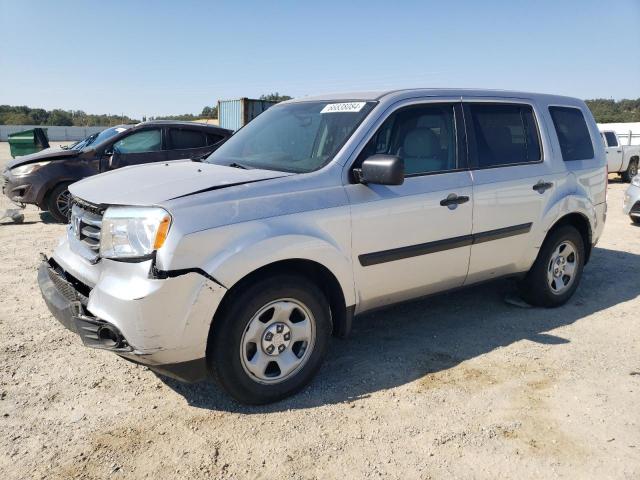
341 313
46 191
581 223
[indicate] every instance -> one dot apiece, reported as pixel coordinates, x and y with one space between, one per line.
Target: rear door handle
542 187
453 200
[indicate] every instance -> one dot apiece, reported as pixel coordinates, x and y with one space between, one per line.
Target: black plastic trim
191 371
501 233
164 274
400 253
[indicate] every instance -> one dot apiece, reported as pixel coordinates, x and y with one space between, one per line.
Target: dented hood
48 154
158 182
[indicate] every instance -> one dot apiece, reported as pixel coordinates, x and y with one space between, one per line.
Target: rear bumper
69 302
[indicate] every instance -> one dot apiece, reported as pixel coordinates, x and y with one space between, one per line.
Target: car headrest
421 142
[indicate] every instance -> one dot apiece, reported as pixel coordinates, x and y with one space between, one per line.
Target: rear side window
612 140
183 139
503 134
573 134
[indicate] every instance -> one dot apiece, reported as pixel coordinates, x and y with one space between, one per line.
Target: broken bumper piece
165 329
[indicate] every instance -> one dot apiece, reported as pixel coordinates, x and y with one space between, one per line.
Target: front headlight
636 181
28 168
133 232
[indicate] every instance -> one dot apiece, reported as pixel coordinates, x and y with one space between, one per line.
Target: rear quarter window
213 138
573 133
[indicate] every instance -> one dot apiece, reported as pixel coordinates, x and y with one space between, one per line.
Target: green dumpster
27 142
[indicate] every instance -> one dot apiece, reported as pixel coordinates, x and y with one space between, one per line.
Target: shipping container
234 114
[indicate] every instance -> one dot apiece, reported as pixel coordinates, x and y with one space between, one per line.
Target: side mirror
382 170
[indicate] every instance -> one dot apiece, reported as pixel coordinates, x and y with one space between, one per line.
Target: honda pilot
242 267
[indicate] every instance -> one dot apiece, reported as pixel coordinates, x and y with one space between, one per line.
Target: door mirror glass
382 170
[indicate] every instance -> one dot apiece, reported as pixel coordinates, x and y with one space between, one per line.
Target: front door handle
452 201
542 187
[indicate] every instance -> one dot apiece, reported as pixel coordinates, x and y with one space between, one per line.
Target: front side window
423 136
182 139
573 134
139 142
297 137
503 134
612 140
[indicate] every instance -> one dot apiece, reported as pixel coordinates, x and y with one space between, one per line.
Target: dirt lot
457 386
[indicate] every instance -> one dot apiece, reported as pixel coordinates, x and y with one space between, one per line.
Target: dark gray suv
43 178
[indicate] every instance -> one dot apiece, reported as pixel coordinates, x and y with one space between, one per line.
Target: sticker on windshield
343 107
120 129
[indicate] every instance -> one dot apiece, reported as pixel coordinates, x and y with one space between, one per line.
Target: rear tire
556 273
635 220
270 339
632 171
59 203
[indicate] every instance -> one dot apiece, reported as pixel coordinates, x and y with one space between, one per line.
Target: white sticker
120 129
343 107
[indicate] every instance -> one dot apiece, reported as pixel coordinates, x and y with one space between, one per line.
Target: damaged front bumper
160 323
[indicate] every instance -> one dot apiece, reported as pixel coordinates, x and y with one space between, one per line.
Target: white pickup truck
621 159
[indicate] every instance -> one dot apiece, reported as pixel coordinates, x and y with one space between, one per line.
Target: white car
621 159
631 204
243 265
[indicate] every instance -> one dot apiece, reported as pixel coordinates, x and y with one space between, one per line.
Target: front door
413 239
142 146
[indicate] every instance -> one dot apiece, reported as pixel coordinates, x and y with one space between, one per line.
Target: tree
60 117
275 97
17 119
209 112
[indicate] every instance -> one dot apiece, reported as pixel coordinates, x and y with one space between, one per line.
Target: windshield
83 143
98 138
297 137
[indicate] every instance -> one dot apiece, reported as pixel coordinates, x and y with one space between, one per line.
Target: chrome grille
84 231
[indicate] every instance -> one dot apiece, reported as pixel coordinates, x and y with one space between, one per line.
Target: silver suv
242 265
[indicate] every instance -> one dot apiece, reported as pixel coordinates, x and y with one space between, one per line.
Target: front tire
270 339
556 273
59 203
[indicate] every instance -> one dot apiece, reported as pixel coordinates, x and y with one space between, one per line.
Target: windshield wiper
239 165
200 158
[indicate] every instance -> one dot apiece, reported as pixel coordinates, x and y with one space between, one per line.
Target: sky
144 58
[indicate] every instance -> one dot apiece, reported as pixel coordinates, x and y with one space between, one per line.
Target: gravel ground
462 385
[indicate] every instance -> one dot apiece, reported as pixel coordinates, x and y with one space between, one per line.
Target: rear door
513 181
141 146
614 151
184 142
413 239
